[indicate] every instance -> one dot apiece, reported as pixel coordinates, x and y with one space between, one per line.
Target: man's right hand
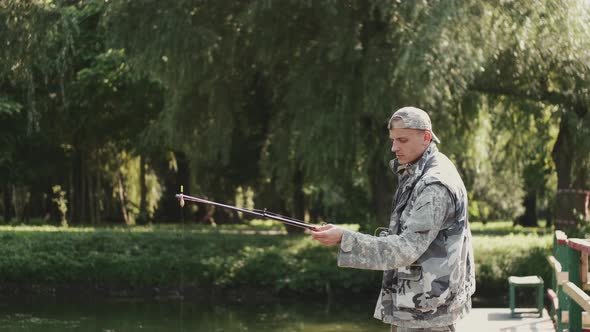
328 235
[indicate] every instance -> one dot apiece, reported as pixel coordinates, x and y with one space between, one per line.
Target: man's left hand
328 235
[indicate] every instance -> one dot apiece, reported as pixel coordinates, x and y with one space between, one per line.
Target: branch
544 96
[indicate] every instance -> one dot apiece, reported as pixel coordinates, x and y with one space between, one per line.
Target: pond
175 315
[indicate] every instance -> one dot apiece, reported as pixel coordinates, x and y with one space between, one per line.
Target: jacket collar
417 168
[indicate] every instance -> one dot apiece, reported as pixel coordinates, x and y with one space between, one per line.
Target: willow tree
319 80
295 95
244 76
511 52
547 62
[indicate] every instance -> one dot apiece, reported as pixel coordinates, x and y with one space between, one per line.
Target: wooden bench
528 281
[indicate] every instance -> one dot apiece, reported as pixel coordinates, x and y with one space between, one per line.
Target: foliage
223 261
371 57
70 102
290 99
498 257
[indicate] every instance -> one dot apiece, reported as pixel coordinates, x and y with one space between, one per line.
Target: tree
328 76
292 98
547 63
79 99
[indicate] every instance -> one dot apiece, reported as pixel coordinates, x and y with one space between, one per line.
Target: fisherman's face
409 144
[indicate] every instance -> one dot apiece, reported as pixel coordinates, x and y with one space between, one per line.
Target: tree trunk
20 200
571 198
298 202
98 196
6 197
123 200
381 180
52 213
529 218
91 192
143 214
381 193
316 210
563 154
76 193
168 209
83 188
72 208
267 197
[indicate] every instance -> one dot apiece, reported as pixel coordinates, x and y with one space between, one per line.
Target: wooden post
577 248
583 269
561 254
575 311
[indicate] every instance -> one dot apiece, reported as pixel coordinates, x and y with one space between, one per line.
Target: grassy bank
223 260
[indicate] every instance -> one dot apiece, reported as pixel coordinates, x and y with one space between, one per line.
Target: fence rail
569 302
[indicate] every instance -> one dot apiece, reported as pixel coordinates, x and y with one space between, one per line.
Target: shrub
498 257
178 257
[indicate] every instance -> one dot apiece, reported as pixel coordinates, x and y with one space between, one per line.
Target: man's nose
394 147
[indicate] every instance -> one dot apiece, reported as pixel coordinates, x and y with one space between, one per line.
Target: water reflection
119 316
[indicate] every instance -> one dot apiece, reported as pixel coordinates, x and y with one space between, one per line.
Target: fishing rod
259 213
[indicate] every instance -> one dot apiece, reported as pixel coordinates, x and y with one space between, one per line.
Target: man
426 256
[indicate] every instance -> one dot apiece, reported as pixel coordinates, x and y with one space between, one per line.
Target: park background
108 107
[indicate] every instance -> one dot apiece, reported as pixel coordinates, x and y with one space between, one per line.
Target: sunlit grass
256 226
260 226
516 242
501 228
46 228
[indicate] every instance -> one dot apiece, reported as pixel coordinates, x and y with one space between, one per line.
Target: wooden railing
569 302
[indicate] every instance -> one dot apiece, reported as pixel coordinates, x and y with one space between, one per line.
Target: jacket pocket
410 287
421 290
412 272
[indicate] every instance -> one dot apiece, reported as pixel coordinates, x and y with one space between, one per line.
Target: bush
498 257
226 262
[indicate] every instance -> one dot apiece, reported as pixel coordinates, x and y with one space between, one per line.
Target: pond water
176 315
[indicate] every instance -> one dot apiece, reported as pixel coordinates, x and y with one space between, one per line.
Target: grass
502 228
255 226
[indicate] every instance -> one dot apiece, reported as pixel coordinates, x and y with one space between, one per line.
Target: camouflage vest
436 289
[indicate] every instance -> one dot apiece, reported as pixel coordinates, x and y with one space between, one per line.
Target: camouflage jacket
427 258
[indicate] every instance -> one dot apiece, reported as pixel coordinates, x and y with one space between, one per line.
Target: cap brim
434 138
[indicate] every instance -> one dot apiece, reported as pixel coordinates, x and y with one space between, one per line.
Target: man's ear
427 137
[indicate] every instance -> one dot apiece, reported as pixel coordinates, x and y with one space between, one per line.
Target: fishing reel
382 232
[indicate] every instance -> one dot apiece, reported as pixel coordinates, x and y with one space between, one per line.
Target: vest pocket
412 272
409 285
421 290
